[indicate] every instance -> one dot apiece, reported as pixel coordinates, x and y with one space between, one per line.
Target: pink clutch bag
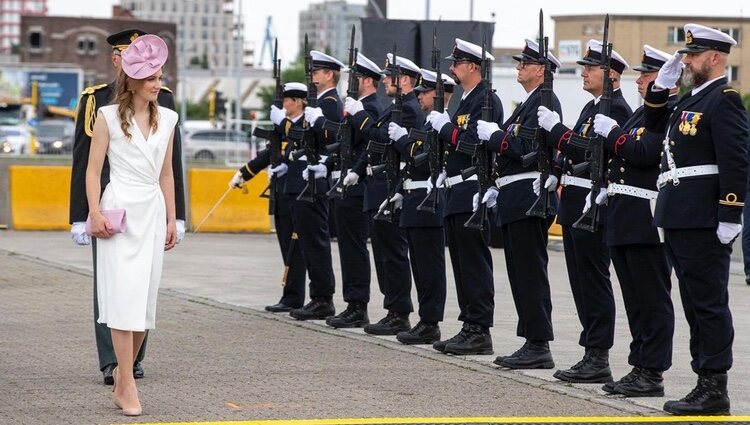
116 219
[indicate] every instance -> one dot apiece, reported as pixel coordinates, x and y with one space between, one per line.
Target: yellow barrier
39 197
241 210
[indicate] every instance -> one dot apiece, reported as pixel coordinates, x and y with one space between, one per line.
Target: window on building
733 73
588 29
675 35
35 40
86 45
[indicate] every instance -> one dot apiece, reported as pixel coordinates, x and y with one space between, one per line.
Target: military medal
689 122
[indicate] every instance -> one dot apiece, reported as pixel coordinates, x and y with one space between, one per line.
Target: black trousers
525 247
427 256
353 229
390 252
644 275
472 270
587 258
311 223
291 252
701 264
102 333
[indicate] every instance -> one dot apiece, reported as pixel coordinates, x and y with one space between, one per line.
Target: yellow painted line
468 420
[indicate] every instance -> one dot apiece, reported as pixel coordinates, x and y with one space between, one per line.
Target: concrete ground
216 355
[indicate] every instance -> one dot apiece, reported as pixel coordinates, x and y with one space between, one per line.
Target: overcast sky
515 21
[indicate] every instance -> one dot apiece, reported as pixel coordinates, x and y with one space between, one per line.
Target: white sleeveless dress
129 264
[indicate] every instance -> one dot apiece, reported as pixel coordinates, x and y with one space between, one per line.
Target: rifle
343 131
308 139
273 137
543 153
483 166
435 146
393 159
595 154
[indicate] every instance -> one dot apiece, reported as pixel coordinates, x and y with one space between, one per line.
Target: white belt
419 184
504 181
638 192
337 173
677 173
452 181
575 181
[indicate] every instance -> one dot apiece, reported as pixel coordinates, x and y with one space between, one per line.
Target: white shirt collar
466 93
598 98
704 85
321 94
294 119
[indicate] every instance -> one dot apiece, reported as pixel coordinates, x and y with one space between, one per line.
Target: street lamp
183 61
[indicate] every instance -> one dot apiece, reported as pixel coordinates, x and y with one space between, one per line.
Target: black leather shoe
747 280
355 316
137 370
535 356
422 333
459 337
609 387
279 308
391 324
316 309
648 383
593 368
516 353
476 342
709 397
107 374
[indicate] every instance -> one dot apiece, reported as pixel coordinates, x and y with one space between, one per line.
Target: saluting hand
669 73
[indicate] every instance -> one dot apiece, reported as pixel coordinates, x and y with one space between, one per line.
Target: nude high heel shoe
133 411
114 387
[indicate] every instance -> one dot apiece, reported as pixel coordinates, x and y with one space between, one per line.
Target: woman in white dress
135 135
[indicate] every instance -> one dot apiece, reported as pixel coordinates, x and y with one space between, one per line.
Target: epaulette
166 89
92 89
731 90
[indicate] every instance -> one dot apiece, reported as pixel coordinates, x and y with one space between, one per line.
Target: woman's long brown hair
124 99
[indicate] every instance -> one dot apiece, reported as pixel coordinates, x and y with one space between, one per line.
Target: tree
746 102
197 111
294 73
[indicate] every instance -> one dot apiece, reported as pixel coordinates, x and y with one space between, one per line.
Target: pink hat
145 55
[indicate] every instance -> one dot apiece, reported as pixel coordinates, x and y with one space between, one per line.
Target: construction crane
267 41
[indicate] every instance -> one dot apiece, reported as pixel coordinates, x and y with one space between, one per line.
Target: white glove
397 200
726 232
603 125
351 178
550 184
278 170
438 120
485 129
277 115
440 179
237 181
313 114
352 106
180 225
601 198
547 119
669 73
320 171
78 233
489 198
395 131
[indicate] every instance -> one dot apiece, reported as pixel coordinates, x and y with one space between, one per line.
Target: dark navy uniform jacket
510 145
710 127
359 143
463 128
377 130
573 198
91 100
332 111
634 162
410 217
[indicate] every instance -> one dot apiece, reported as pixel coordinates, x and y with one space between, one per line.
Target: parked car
220 145
18 139
55 136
